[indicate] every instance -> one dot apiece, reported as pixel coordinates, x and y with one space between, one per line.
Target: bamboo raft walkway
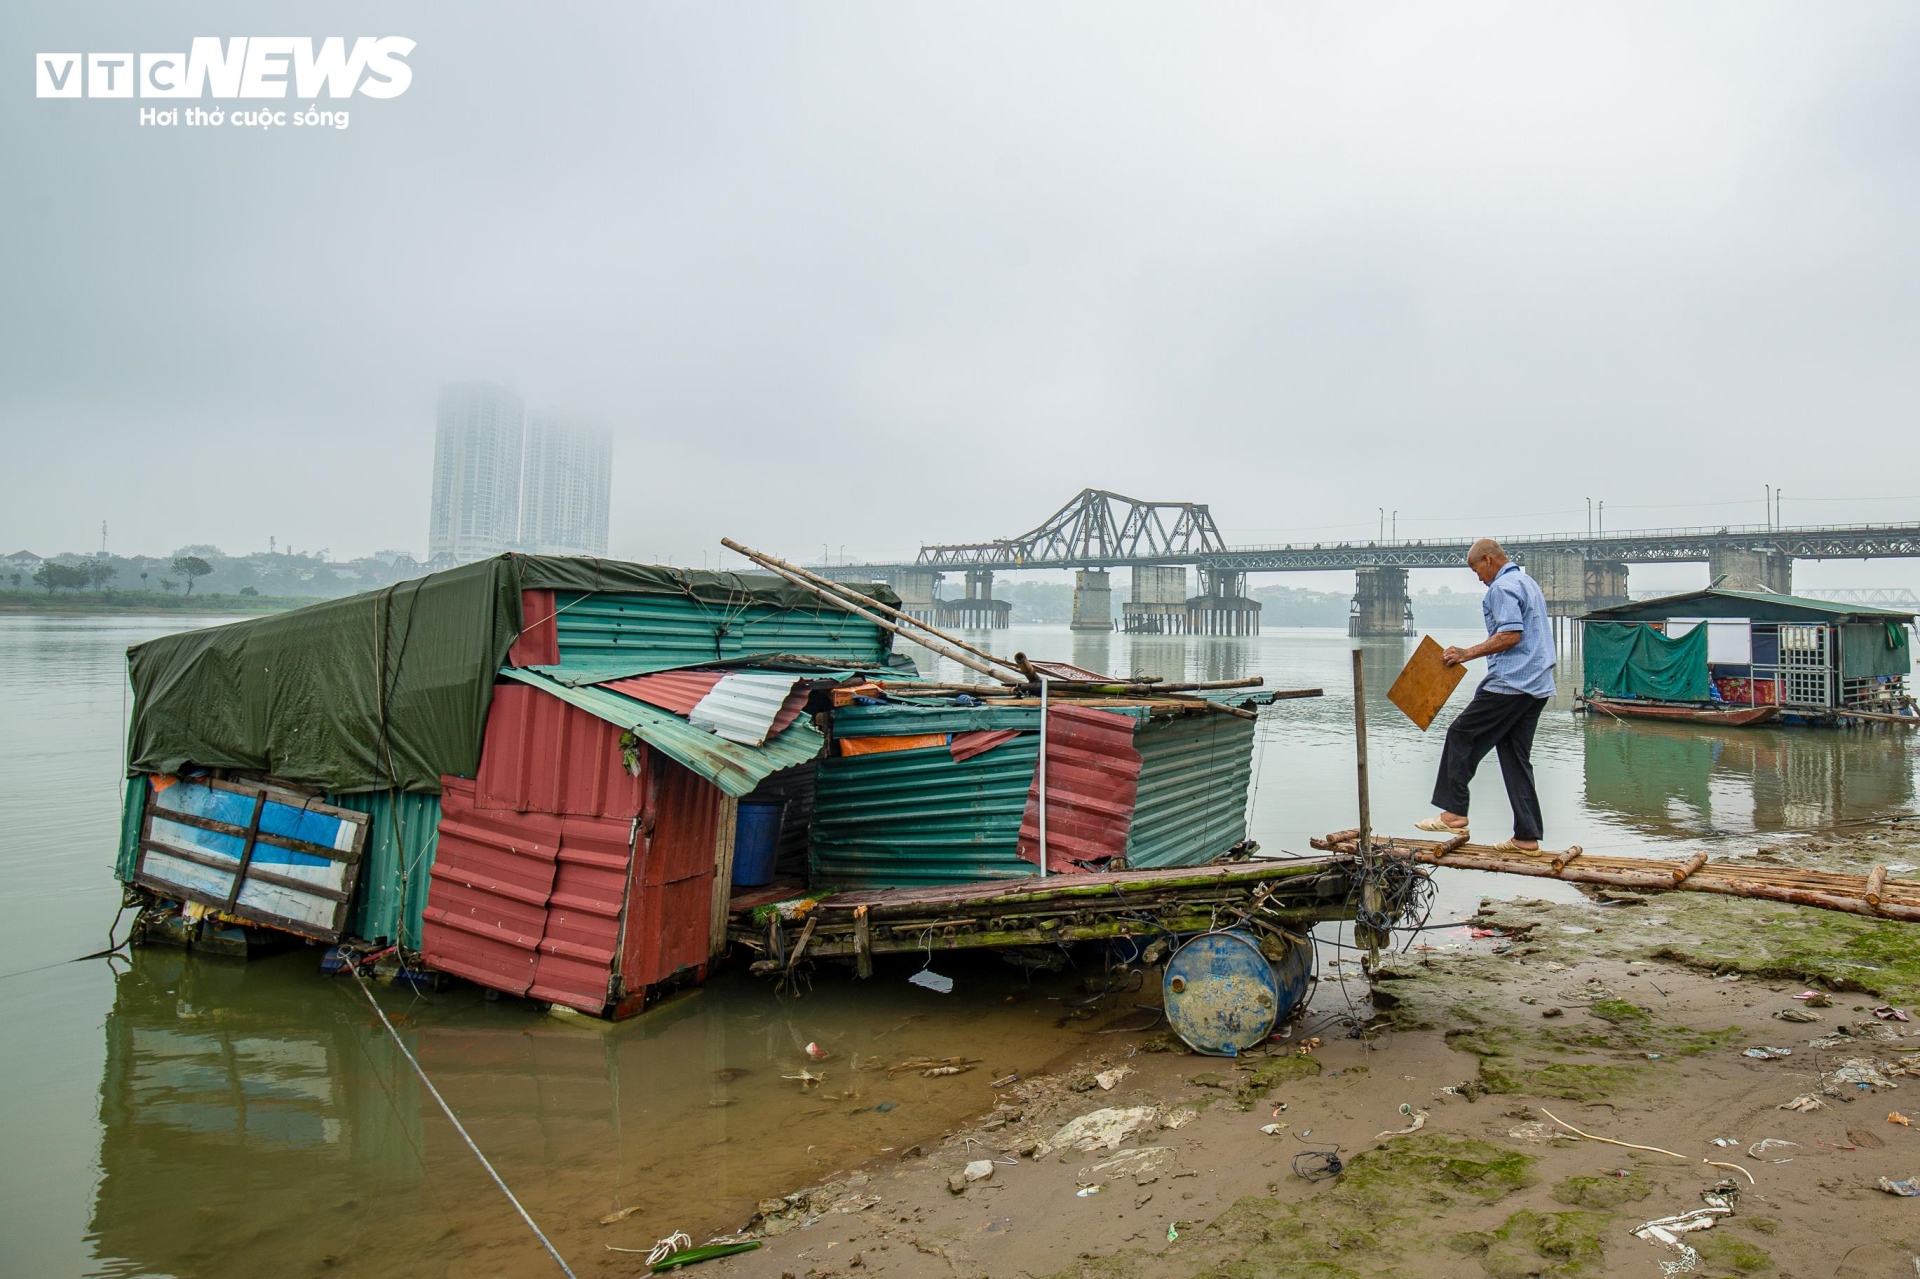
1875 895
1032 911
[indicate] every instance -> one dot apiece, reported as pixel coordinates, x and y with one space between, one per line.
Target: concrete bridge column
1157 605
917 589
1606 584
1563 580
1092 600
1223 607
1380 605
1751 570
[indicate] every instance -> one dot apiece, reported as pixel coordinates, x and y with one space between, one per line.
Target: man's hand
1451 656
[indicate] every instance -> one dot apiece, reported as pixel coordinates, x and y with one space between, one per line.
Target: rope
458 1127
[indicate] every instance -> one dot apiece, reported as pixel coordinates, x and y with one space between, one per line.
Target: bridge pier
1159 601
1223 607
977 610
1092 600
1750 570
1380 604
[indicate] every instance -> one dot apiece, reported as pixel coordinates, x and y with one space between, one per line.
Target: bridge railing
1626 535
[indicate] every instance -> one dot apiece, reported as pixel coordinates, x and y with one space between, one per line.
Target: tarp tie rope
458 1127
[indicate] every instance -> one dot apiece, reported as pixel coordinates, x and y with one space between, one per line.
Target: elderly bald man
1502 715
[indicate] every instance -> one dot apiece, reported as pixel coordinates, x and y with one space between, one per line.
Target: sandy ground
1623 1016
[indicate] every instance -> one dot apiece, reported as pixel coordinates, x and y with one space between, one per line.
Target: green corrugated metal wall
131 812
663 631
1194 773
391 896
917 817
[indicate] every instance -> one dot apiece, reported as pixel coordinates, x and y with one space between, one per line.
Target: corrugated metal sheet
1067 670
492 877
539 640
744 706
670 914
676 691
967 745
403 833
1093 772
735 769
921 817
582 937
1192 793
543 755
679 631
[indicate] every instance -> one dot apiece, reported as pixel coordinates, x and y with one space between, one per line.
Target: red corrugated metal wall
537 889
1093 783
542 755
539 641
672 894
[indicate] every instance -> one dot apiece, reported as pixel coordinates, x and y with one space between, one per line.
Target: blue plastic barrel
1223 994
756 844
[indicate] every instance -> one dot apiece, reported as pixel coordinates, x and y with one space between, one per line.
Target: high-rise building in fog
504 479
476 471
565 479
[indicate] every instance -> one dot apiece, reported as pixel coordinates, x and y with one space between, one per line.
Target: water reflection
256 1118
1671 781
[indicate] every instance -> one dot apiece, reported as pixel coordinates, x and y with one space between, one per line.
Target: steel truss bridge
1100 529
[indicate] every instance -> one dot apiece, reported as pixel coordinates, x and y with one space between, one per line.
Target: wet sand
1625 1017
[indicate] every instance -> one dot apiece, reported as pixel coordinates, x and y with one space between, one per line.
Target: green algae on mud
1361 1226
1549 1244
1603 1193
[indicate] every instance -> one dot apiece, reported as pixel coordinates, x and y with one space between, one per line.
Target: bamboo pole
941 645
1360 753
841 591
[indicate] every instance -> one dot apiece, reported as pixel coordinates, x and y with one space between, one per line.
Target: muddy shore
1623 1016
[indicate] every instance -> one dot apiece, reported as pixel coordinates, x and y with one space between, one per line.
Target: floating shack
536 773
1745 657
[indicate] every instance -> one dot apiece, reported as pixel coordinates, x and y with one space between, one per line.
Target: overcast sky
868 275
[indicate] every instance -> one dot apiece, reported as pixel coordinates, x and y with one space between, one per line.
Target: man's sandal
1436 824
1508 846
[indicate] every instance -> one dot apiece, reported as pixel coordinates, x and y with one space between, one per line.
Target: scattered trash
1180 1118
1419 1118
1805 1102
1667 1230
806 1078
978 1170
1533 1130
934 1066
1759 1149
937 1071
622 1215
1006 1081
1142 1164
1895 1117
932 981
1797 1014
816 1052
1087 1192
1862 1072
1815 998
1099 1129
1751 1179
1628 1145
1173 1232
1906 1189
1553 967
678 1241
1653 1056
1108 1078
1320 1162
1768 1053
1726 1141
885 1106
1273 1130
1887 1012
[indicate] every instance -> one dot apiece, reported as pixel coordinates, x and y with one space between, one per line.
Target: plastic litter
1108 1078
1273 1130
1906 1189
978 1170
1099 1129
1173 1231
1797 1014
1895 1117
1726 1141
1765 1054
1759 1149
1815 999
1805 1102
1419 1118
932 981
1087 1192
816 1052
1862 1072
1887 1012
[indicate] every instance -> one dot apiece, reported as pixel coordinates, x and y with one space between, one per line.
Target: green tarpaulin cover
388 690
1628 660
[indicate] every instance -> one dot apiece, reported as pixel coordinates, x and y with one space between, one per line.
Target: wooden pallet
1874 894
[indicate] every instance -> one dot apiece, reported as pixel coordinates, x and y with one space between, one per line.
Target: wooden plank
256 875
1425 684
722 901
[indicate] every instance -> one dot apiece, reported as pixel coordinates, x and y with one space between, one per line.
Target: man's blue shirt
1513 602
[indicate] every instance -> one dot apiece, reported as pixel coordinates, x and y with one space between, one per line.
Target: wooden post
1876 885
862 943
1042 779
1360 753
1693 864
722 875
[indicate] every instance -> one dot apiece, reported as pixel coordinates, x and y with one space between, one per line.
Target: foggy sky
868 275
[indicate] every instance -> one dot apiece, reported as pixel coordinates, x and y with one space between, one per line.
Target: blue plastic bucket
1223 995
756 844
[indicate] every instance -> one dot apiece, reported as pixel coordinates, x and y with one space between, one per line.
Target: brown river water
174 1115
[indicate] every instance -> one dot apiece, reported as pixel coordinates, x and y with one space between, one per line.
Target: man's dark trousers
1500 722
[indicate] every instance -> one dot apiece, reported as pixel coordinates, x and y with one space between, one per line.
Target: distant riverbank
145 603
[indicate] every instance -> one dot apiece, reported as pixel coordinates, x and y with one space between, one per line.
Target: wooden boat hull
1729 717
